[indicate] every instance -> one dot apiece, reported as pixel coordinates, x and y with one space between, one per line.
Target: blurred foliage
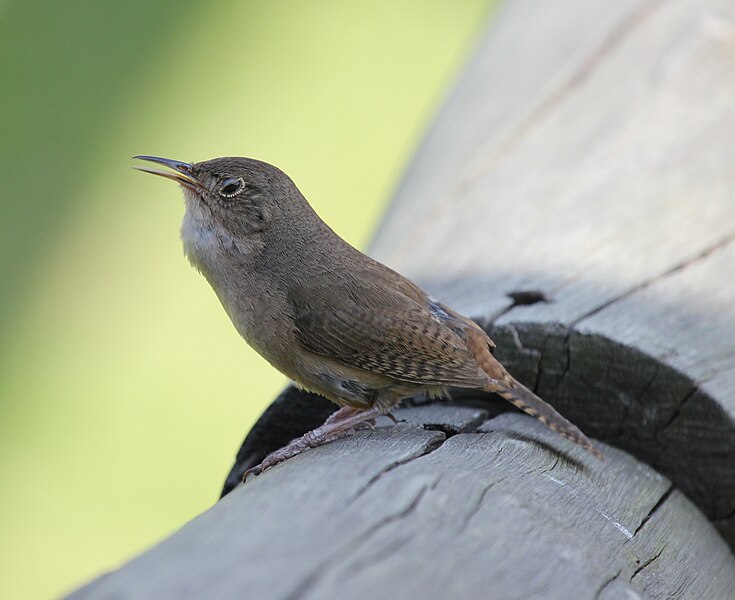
124 391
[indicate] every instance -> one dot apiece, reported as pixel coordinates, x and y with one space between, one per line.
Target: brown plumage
332 319
411 339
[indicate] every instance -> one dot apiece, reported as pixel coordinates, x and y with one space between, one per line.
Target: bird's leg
347 411
342 413
340 424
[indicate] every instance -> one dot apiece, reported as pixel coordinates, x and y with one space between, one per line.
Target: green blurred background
124 390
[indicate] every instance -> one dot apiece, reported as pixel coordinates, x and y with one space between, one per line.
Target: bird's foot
339 425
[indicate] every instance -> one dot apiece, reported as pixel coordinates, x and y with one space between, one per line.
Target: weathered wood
599 171
587 155
401 512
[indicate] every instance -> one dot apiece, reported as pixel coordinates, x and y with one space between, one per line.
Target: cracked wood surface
591 160
500 508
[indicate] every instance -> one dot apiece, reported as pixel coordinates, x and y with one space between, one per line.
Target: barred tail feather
523 398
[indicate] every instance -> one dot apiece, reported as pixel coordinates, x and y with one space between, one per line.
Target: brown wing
382 330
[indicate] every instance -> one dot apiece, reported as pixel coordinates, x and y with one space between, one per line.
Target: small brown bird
332 319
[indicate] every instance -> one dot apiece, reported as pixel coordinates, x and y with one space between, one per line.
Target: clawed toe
254 471
273 459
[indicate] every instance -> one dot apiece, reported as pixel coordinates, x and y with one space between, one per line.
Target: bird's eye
231 187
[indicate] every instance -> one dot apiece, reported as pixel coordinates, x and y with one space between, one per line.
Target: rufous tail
523 398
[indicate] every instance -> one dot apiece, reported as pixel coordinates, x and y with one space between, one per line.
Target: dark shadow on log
631 400
290 415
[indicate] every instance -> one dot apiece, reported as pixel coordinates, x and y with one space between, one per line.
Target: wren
332 319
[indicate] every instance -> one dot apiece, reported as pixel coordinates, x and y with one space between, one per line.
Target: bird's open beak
181 171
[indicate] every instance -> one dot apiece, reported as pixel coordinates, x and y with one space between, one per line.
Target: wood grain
612 192
509 510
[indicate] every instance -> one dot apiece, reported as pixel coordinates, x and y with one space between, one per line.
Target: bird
332 319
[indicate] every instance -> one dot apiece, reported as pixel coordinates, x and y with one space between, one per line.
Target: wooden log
611 190
584 158
403 512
